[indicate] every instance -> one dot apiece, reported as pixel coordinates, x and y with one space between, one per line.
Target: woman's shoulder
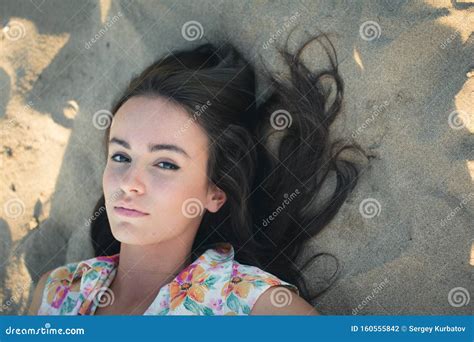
48 285
247 284
220 285
65 280
69 271
223 258
38 294
253 291
222 261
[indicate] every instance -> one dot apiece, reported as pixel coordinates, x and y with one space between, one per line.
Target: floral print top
214 284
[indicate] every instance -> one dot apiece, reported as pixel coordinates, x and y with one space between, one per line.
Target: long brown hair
269 214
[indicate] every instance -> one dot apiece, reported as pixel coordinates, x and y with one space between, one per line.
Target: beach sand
404 238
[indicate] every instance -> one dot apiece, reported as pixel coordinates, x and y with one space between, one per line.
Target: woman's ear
215 198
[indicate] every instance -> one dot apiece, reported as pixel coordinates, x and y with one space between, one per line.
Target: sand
404 239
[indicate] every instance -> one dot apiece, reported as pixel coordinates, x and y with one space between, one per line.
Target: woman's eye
162 165
117 155
167 166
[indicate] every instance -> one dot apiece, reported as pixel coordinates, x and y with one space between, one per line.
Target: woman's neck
143 270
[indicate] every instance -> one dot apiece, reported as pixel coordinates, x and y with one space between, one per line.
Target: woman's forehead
149 112
146 120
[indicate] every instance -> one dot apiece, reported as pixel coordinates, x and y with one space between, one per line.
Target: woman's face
157 163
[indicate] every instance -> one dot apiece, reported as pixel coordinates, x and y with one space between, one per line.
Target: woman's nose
132 181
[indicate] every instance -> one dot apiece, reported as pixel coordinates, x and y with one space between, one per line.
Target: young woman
203 212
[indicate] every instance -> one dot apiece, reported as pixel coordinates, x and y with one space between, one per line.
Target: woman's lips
129 212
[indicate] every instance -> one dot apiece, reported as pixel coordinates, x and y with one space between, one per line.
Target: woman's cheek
109 179
106 180
168 194
111 183
162 191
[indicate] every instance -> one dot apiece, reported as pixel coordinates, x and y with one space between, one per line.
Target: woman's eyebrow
152 147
